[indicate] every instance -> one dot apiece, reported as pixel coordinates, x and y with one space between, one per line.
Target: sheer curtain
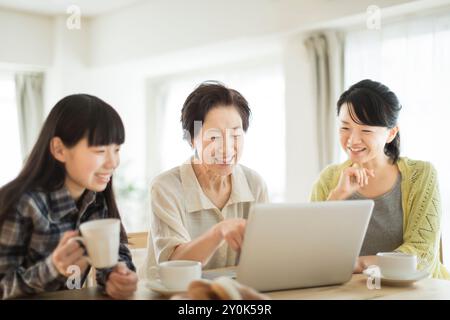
413 59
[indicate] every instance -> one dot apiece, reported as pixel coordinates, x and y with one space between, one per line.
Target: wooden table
355 289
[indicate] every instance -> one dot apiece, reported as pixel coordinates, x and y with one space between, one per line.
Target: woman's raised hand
351 180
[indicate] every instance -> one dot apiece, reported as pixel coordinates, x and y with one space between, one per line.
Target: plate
419 275
158 287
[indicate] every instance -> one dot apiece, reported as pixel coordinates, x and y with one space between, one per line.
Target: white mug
177 274
397 265
101 239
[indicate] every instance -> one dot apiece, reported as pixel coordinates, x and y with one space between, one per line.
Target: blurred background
291 59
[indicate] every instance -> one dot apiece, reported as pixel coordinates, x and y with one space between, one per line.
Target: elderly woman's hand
232 231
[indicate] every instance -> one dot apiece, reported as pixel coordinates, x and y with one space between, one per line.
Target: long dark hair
372 103
71 119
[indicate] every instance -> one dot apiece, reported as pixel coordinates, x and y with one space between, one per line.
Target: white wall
157 27
126 92
25 38
69 71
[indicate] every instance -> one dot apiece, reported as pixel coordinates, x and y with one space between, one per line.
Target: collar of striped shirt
62 203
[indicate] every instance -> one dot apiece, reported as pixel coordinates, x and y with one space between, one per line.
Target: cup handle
154 273
81 239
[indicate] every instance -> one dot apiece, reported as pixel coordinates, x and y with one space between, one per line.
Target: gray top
385 230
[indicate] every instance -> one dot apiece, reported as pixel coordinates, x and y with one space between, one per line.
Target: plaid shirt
29 236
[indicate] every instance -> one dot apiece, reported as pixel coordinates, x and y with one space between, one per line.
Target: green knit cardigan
421 205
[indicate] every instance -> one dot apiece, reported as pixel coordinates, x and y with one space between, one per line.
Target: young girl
407 213
66 181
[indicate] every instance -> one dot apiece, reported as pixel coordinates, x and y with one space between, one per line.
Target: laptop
289 246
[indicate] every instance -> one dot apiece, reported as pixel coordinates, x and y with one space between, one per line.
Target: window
412 58
9 131
263 87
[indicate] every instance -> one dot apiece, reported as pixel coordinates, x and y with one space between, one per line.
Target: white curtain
30 108
325 52
412 58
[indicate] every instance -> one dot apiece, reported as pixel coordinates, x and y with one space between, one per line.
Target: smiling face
361 142
220 142
87 167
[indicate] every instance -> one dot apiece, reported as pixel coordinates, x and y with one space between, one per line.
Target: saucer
158 287
416 276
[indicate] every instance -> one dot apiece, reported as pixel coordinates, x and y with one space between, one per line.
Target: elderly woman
407 213
199 209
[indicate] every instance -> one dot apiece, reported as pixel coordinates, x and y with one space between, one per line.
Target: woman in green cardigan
407 212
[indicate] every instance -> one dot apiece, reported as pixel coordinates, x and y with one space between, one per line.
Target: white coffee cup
397 265
101 239
177 274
